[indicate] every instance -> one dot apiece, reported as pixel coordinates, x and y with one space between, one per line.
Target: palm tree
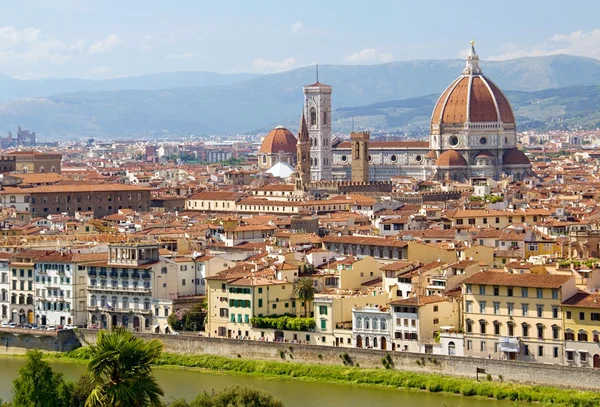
305 291
120 370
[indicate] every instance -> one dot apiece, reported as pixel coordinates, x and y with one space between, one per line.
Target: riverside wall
511 371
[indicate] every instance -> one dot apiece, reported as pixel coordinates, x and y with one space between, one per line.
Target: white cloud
297 26
582 43
368 55
106 45
31 45
185 56
78 45
269 66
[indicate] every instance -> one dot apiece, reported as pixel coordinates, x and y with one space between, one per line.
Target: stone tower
317 108
360 156
302 157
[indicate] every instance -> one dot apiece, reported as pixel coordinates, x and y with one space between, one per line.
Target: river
187 383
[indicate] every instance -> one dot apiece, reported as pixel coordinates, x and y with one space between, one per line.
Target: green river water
188 383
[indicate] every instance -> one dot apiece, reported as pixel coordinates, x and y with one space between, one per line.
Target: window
469 306
569 355
511 330
482 346
540 351
359 323
435 308
583 357
555 312
525 309
582 316
525 330
569 336
313 116
509 291
540 331
260 290
496 329
511 308
482 307
524 292
540 311
323 324
260 302
469 345
539 292
481 290
554 332
323 309
555 351
482 326
526 350
555 294
568 314
468 286
469 326
582 336
595 316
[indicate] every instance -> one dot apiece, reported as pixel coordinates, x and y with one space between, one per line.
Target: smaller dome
279 140
515 157
484 154
451 158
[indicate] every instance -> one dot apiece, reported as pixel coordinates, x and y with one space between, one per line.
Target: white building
372 327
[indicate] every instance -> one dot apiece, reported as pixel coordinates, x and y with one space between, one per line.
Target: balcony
91 308
99 288
146 275
102 274
135 274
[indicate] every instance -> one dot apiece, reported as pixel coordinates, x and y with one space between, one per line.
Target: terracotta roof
365 240
450 158
419 300
518 280
62 188
584 300
279 140
217 196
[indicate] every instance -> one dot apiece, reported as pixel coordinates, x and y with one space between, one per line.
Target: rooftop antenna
317 73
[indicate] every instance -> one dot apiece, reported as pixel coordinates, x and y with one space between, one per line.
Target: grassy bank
375 377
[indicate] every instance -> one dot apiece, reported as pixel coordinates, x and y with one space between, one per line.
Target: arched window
26 198
114 302
264 158
383 324
324 117
357 151
367 323
359 322
52 169
136 303
93 301
125 302
103 301
313 116
13 199
146 304
375 324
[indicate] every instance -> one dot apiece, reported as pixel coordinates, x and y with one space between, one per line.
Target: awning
569 350
156 326
582 351
506 344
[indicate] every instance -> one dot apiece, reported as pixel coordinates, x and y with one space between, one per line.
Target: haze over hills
245 102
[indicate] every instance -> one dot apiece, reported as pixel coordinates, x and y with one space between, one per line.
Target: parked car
51 328
12 325
68 326
174 333
4 324
35 326
26 326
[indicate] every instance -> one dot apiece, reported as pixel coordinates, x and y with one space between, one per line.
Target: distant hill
205 103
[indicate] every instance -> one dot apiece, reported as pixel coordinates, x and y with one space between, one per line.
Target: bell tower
360 156
317 109
302 157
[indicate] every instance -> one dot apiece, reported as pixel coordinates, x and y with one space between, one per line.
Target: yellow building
236 295
494 218
515 316
581 314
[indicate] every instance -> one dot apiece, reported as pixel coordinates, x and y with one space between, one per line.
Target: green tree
83 389
237 396
305 292
121 371
39 386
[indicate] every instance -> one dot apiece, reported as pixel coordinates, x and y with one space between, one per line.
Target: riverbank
354 375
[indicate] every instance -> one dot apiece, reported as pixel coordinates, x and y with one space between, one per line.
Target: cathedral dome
450 158
515 157
279 140
472 98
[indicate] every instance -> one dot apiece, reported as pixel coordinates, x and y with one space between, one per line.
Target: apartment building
515 316
581 317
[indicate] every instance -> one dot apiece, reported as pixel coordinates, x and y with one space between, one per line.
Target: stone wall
514 371
13 340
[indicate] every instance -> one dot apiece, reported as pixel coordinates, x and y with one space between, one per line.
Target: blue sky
105 38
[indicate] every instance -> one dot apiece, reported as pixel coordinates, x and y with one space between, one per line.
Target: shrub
489 377
282 354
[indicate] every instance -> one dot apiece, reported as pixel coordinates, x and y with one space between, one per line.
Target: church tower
317 108
360 156
302 157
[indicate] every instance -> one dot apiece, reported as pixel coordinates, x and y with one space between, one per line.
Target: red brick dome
472 98
450 158
279 140
515 157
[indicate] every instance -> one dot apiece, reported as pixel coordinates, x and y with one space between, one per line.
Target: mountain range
546 92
